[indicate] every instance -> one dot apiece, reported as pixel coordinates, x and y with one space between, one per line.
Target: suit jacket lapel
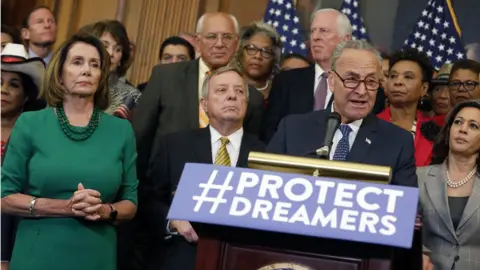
190 94
203 146
365 138
244 151
303 94
436 188
473 205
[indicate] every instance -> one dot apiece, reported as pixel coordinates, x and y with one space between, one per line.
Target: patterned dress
120 90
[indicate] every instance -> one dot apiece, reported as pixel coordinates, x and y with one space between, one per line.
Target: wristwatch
113 213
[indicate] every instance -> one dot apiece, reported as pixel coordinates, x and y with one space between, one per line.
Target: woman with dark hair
21 79
259 55
450 192
114 36
439 92
10 35
58 177
408 80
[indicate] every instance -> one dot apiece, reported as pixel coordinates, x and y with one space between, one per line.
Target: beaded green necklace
78 133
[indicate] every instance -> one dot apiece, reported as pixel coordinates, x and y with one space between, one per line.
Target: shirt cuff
167 229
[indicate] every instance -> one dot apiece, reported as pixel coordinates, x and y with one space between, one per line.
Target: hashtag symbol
216 201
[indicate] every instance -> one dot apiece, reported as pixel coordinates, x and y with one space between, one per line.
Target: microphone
123 111
333 121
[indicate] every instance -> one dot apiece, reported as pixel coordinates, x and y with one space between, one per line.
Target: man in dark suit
363 138
305 89
170 101
223 142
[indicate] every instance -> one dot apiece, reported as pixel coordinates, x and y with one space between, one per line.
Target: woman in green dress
70 169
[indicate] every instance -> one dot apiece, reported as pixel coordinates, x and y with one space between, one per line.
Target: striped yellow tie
203 118
222 157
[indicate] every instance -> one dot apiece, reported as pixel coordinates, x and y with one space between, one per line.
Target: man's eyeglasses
252 50
467 85
226 38
370 83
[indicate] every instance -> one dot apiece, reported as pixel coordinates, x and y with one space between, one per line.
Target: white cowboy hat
15 58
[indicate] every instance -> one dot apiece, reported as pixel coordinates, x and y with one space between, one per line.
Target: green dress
43 162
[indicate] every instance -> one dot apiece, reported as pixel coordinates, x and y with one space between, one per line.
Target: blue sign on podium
296 204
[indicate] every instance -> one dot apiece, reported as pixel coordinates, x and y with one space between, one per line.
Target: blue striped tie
343 146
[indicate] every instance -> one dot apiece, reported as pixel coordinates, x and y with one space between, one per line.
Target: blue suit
377 142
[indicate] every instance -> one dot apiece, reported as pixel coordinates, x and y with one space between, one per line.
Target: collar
203 68
234 138
47 58
318 71
355 125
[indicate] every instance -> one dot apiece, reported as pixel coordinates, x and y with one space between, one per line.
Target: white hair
202 19
225 69
343 23
353 44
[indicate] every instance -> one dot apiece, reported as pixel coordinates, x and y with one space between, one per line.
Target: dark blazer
292 93
165 171
169 104
377 142
449 248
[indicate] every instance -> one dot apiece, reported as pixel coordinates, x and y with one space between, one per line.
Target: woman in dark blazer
450 192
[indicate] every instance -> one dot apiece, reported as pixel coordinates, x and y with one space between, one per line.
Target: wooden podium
228 248
233 248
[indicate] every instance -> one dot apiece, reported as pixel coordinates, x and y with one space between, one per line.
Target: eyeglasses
252 50
467 85
226 38
370 83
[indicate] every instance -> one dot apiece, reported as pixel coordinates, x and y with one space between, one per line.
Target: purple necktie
321 93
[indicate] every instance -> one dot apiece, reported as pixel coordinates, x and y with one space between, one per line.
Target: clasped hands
87 203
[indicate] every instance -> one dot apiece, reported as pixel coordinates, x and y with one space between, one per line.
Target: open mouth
359 102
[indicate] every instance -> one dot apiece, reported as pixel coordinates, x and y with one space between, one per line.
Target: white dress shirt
233 146
318 76
355 126
233 149
47 58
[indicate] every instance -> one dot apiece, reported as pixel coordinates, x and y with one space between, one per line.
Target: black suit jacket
169 104
377 142
165 170
292 93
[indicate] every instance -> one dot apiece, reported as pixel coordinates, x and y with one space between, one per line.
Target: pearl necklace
265 87
462 182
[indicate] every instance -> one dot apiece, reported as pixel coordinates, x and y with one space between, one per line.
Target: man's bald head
217 38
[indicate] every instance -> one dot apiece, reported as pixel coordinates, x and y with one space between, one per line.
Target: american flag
281 14
351 9
437 34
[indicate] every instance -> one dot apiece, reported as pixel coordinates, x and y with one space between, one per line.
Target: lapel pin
368 141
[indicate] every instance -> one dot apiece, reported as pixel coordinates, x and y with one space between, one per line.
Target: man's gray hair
344 27
353 44
202 20
219 71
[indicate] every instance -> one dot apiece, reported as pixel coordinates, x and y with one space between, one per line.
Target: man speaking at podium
349 131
